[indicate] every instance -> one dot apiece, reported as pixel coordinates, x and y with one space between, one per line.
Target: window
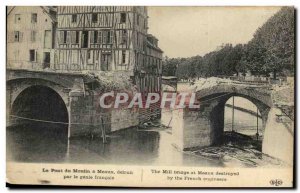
74 18
65 37
123 57
17 18
33 36
100 37
32 55
124 37
123 18
107 37
77 37
16 36
94 17
84 39
33 18
95 37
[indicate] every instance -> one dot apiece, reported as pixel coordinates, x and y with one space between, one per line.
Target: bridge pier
86 118
83 118
199 128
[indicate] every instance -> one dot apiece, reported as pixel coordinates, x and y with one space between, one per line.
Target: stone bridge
205 126
60 98
43 95
69 99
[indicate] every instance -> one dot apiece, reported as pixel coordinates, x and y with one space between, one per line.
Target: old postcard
130 96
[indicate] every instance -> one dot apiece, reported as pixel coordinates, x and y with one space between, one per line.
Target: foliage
270 50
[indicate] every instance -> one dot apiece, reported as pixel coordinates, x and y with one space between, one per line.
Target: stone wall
82 115
87 118
124 118
192 129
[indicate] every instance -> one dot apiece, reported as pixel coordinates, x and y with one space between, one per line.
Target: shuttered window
100 37
107 37
73 37
94 37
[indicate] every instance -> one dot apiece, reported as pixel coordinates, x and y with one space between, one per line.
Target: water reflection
129 146
37 143
46 143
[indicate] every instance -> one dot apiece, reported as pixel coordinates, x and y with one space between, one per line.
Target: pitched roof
49 10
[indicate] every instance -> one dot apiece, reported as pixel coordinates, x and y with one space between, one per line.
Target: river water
48 144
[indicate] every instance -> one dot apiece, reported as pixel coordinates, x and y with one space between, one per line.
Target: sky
191 31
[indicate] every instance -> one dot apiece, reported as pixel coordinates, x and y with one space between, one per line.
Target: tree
270 50
272 47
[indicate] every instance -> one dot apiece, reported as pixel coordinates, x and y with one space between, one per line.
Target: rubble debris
238 148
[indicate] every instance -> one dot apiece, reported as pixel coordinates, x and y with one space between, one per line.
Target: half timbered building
108 38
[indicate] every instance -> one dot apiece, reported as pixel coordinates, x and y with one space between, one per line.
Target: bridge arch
205 126
34 116
212 104
37 99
